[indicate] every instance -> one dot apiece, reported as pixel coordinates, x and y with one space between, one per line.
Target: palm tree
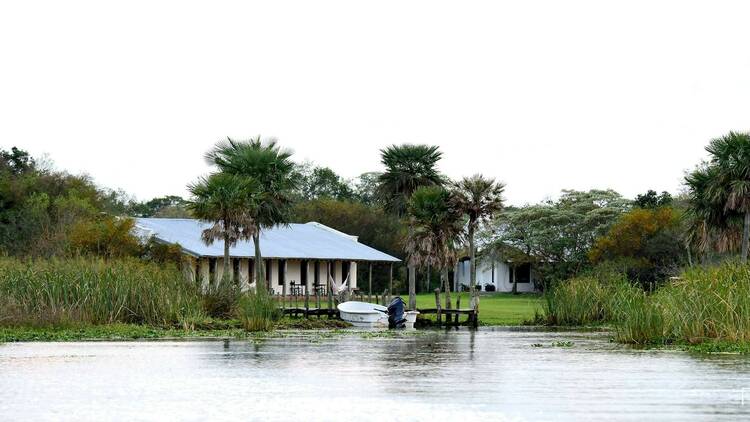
407 167
480 199
436 226
226 201
709 225
731 182
273 170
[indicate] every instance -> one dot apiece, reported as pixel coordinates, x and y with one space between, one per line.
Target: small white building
498 273
295 255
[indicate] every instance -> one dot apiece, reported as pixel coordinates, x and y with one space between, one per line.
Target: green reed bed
94 291
705 305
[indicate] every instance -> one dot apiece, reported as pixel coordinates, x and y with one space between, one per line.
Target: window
198 272
303 272
316 273
332 266
267 265
522 273
281 272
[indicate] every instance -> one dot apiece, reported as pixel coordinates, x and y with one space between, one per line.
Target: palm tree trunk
472 269
225 274
427 280
260 272
746 237
446 287
515 281
412 287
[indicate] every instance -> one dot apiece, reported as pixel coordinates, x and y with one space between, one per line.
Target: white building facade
498 273
297 257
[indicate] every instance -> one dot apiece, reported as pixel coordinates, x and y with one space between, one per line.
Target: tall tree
226 201
407 167
272 168
709 225
730 155
436 227
480 198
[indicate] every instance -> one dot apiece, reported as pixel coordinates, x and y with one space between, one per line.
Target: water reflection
486 374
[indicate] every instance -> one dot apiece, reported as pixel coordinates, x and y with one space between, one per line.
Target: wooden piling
437 307
458 306
317 302
307 302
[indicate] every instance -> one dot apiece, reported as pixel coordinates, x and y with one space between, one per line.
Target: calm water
489 374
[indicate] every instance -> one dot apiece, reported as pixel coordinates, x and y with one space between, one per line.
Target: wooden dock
307 307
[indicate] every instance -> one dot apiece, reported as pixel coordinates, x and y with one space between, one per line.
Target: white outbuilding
498 273
297 256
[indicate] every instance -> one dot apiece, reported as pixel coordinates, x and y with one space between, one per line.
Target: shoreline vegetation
123 299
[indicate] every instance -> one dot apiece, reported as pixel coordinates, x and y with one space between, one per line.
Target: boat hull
363 314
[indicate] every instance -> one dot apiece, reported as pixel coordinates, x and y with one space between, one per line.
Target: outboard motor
396 313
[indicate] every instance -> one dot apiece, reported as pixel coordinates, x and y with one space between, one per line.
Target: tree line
409 210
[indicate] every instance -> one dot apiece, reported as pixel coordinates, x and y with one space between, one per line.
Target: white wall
501 278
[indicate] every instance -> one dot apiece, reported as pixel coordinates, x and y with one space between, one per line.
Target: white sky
543 95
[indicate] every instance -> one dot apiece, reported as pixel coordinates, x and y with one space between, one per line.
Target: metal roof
296 241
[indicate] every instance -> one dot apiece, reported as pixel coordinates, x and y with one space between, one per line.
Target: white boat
370 315
363 314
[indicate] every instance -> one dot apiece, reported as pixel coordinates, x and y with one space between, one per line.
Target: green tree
645 242
651 199
322 182
366 188
709 225
558 234
227 201
514 237
436 225
730 156
407 168
272 168
480 199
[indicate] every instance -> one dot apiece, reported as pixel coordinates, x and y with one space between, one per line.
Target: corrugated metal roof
300 241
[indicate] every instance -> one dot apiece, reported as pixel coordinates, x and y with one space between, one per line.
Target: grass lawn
494 309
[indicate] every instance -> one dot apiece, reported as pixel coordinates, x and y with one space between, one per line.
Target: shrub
220 299
594 298
489 287
257 311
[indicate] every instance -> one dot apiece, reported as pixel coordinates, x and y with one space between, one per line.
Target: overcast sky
543 95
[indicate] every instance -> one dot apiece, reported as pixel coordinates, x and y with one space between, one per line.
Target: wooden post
458 306
307 302
283 296
369 285
317 302
437 306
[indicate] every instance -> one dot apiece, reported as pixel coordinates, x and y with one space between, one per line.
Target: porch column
219 270
244 274
352 275
205 275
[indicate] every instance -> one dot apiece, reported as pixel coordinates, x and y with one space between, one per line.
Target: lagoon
489 374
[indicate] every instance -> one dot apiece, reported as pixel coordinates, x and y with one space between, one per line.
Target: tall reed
705 303
94 291
257 311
